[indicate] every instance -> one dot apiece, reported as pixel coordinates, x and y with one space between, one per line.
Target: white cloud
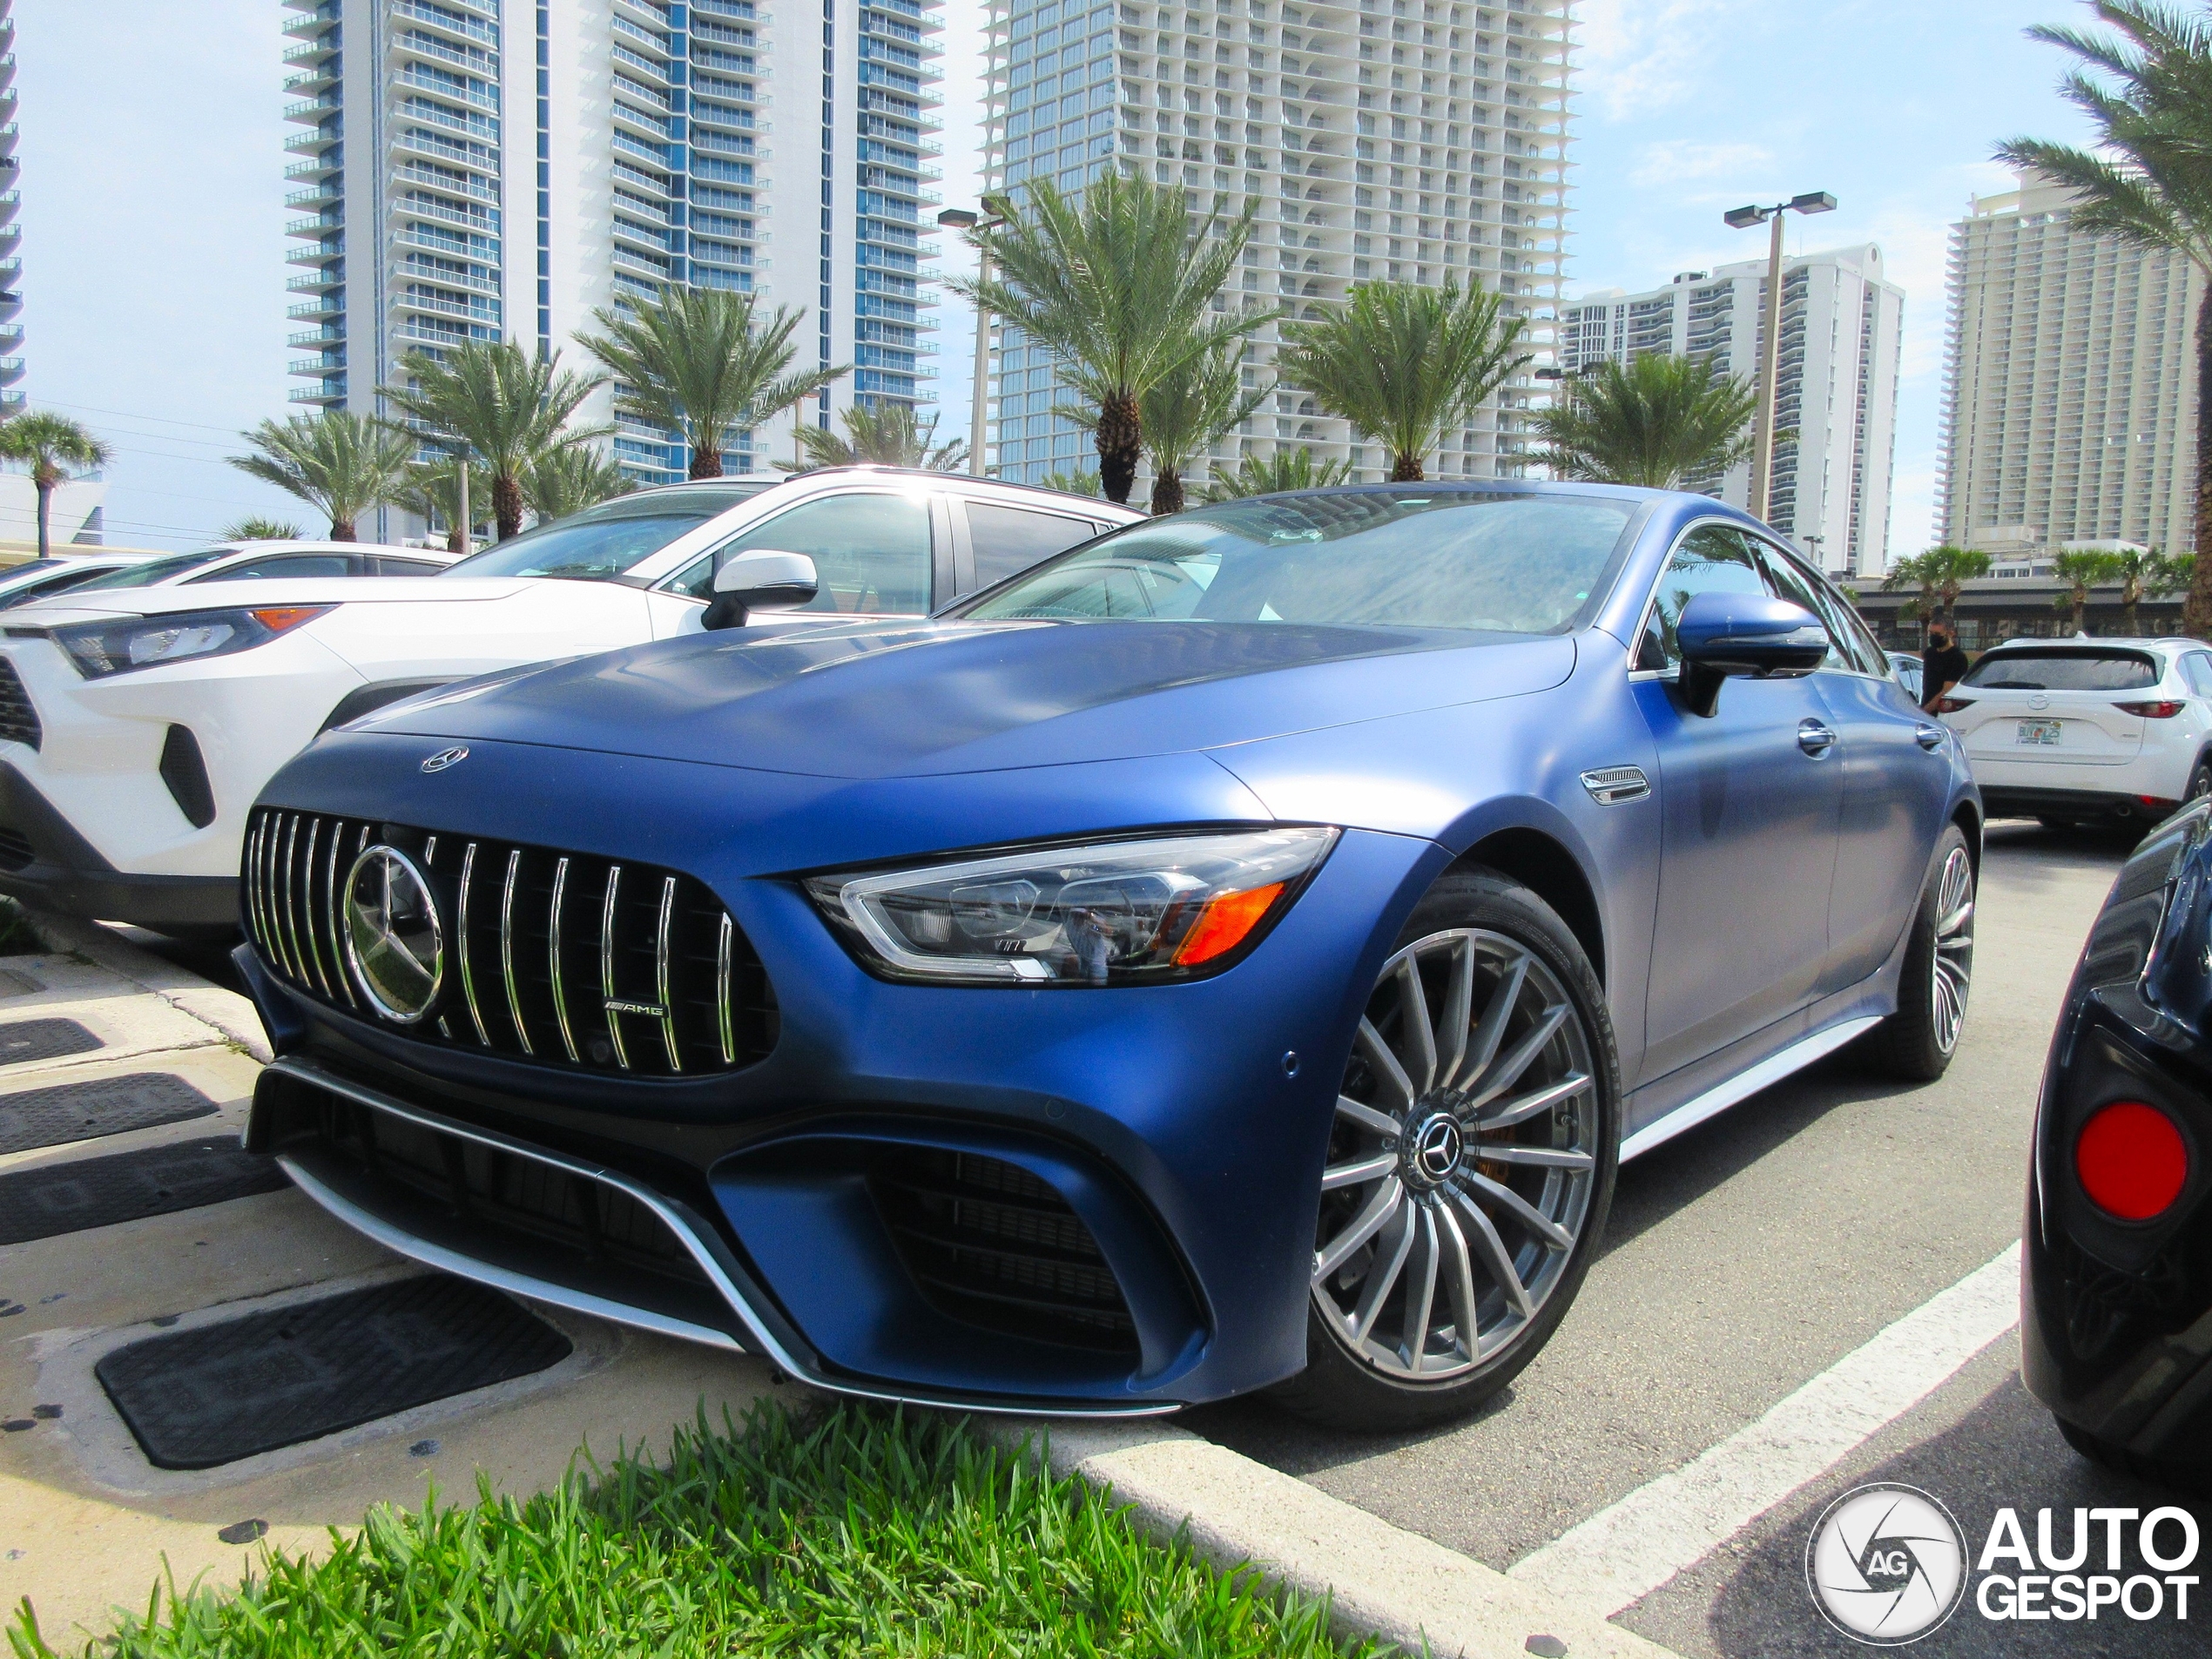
1637 57
1675 161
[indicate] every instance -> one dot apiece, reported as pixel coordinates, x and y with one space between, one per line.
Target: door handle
1815 738
1929 737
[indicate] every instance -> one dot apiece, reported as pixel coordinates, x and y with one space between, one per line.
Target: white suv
2071 730
138 725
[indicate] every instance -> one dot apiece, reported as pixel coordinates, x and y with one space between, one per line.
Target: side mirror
760 580
1727 635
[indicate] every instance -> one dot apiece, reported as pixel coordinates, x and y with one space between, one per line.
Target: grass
854 1531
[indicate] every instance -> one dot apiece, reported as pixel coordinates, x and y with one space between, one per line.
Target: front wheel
1916 1042
1470 1164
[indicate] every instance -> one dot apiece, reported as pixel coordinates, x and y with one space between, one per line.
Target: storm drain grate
198 1399
129 1186
28 1040
103 1106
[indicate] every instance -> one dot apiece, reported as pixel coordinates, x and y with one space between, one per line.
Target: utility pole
1817 201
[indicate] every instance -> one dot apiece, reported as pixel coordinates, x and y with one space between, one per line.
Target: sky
153 248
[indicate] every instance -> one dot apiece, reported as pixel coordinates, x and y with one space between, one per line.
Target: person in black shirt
1942 665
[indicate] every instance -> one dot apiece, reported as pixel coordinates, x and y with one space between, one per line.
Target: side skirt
1745 1084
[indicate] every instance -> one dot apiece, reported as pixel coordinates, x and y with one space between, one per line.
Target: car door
875 552
1896 781
1004 540
1748 802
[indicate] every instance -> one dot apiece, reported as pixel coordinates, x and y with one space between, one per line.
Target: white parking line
1621 1555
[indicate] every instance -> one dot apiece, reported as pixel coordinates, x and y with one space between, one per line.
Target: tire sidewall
1477 897
1909 1046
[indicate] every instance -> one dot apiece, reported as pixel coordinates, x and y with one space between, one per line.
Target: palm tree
50 447
493 401
431 491
1405 364
2148 575
1072 484
1655 421
340 464
887 436
698 360
254 528
1185 412
1120 287
1919 571
1950 569
2082 571
1286 469
571 478
2147 91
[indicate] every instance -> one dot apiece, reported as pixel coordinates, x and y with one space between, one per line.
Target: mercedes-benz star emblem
445 758
393 942
1437 1148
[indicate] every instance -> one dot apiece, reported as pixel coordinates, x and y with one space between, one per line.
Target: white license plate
2045 732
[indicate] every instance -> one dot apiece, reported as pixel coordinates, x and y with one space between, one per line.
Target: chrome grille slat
704 991
553 957
661 975
722 954
607 965
468 976
507 950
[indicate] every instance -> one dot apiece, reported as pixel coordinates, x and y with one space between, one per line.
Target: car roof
2102 642
1033 494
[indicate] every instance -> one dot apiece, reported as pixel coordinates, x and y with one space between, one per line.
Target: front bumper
1146 1160
2116 1316
43 859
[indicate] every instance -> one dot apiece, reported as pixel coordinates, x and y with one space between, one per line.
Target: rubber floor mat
22 1041
201 1397
103 1106
129 1186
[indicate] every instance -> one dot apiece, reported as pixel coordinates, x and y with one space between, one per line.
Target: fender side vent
186 773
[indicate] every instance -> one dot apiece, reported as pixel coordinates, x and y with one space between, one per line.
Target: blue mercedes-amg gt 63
1235 954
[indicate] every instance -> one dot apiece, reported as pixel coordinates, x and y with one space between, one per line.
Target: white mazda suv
138 725
2081 730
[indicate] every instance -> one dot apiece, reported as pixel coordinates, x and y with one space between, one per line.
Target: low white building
1842 327
74 519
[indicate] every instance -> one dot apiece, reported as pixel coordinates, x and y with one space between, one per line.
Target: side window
872 552
1799 587
1009 540
388 566
1712 559
2196 669
301 564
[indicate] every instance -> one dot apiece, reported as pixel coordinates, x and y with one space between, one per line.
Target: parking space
164 1301
1745 1260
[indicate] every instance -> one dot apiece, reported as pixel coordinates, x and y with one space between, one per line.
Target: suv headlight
100 649
1111 913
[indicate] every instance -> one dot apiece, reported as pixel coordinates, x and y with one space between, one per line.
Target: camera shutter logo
1886 1565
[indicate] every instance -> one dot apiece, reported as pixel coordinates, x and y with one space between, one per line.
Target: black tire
1338 1387
2200 782
1910 1044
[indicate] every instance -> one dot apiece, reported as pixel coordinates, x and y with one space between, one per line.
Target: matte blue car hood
914 699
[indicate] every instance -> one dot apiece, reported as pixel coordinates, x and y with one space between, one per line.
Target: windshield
153 570
2063 670
603 543
1510 563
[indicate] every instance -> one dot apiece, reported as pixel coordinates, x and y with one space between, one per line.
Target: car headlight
100 649
1109 914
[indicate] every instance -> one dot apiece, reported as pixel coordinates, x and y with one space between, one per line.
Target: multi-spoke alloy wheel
1954 946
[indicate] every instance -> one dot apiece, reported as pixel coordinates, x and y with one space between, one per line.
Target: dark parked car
2118 1295
1236 953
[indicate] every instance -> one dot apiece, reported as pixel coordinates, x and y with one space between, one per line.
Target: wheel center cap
1434 1149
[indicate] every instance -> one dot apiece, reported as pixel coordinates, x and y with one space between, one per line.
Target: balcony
321 14
460 155
431 49
464 28
646 38
9 201
11 403
10 335
313 80
315 143
481 223
317 337
453 246
316 226
402 271
328 391
7 68
321 253
334 306
311 51
312 110
435 305
438 87
315 366
316 281
408 172
10 370
638 63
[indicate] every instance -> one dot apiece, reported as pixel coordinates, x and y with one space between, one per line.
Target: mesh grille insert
564 959
991 1245
18 719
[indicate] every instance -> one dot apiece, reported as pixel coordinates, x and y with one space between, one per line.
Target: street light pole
961 218
1819 201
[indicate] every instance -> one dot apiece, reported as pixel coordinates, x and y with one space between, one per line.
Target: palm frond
1661 421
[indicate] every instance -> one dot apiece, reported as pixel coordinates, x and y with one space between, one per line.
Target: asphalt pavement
1747 1258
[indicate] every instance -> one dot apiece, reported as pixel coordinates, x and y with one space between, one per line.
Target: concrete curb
1381 1580
232 1015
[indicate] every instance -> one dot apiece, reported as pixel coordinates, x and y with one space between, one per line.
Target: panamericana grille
992 1244
18 719
561 958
